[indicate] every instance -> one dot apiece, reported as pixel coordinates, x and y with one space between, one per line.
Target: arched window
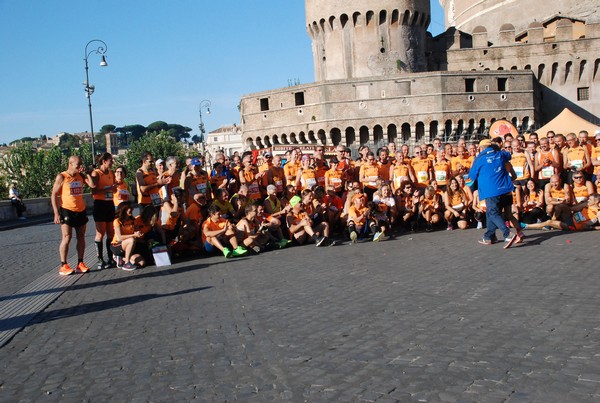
405 132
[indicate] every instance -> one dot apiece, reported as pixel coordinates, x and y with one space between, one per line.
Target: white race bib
422 176
440 176
547 172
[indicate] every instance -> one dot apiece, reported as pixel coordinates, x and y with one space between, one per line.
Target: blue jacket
489 171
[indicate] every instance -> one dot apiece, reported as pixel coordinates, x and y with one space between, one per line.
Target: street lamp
89 89
205 103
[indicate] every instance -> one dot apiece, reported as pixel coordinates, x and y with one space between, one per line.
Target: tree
33 171
161 145
108 129
196 139
158 126
68 141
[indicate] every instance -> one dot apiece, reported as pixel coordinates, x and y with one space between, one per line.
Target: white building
226 139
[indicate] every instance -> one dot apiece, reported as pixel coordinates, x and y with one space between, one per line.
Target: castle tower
466 15
366 38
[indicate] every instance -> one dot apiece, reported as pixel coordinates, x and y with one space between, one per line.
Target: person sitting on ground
250 233
407 206
532 203
581 188
239 201
222 201
557 197
430 208
302 229
335 209
172 214
125 239
358 214
273 206
148 224
219 234
579 217
387 208
273 226
456 202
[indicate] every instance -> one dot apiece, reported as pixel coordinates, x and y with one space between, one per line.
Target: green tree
68 141
33 171
108 129
161 145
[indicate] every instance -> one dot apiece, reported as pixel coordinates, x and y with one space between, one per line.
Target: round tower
366 38
466 15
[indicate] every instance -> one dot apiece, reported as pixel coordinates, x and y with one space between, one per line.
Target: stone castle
381 77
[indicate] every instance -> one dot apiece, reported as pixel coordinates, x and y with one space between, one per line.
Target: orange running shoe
65 270
82 268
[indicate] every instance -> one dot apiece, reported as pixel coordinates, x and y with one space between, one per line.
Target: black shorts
104 211
73 218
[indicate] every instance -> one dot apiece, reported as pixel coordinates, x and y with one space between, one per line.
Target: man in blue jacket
493 173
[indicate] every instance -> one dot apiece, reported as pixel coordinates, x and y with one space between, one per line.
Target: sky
164 58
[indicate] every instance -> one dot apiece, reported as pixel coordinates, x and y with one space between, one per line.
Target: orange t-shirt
71 196
210 225
127 228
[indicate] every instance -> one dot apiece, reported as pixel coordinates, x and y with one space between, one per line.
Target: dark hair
148 213
121 212
122 168
100 158
145 156
213 209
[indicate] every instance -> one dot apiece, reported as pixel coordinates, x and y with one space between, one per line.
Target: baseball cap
295 200
195 161
597 133
485 143
159 161
267 154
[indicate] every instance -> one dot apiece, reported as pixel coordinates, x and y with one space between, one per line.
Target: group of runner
252 203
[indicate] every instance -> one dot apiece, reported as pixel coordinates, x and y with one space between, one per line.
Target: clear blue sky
164 58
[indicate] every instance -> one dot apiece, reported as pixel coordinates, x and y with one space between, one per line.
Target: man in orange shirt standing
69 211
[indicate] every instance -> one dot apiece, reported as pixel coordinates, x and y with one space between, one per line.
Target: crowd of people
251 203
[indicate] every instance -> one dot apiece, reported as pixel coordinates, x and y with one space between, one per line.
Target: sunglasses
578 177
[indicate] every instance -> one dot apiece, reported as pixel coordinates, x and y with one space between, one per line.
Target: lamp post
205 103
89 89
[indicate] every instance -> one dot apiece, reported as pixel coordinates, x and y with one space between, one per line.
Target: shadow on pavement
41 317
151 271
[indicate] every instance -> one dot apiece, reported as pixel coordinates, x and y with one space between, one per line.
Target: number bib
157 201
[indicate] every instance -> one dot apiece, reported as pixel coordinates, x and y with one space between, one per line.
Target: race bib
123 194
440 176
157 201
578 217
458 207
76 188
310 182
547 172
577 164
279 186
422 176
519 171
108 196
253 188
580 199
201 187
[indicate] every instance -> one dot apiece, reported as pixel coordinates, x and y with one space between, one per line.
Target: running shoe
429 227
100 265
255 249
383 237
129 267
353 236
111 264
227 252
376 236
520 237
82 268
282 243
450 227
320 241
65 270
508 242
484 241
239 251
120 262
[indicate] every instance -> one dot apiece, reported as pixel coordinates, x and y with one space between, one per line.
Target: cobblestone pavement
424 317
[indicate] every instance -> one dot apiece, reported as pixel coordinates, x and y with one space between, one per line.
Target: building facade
380 77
